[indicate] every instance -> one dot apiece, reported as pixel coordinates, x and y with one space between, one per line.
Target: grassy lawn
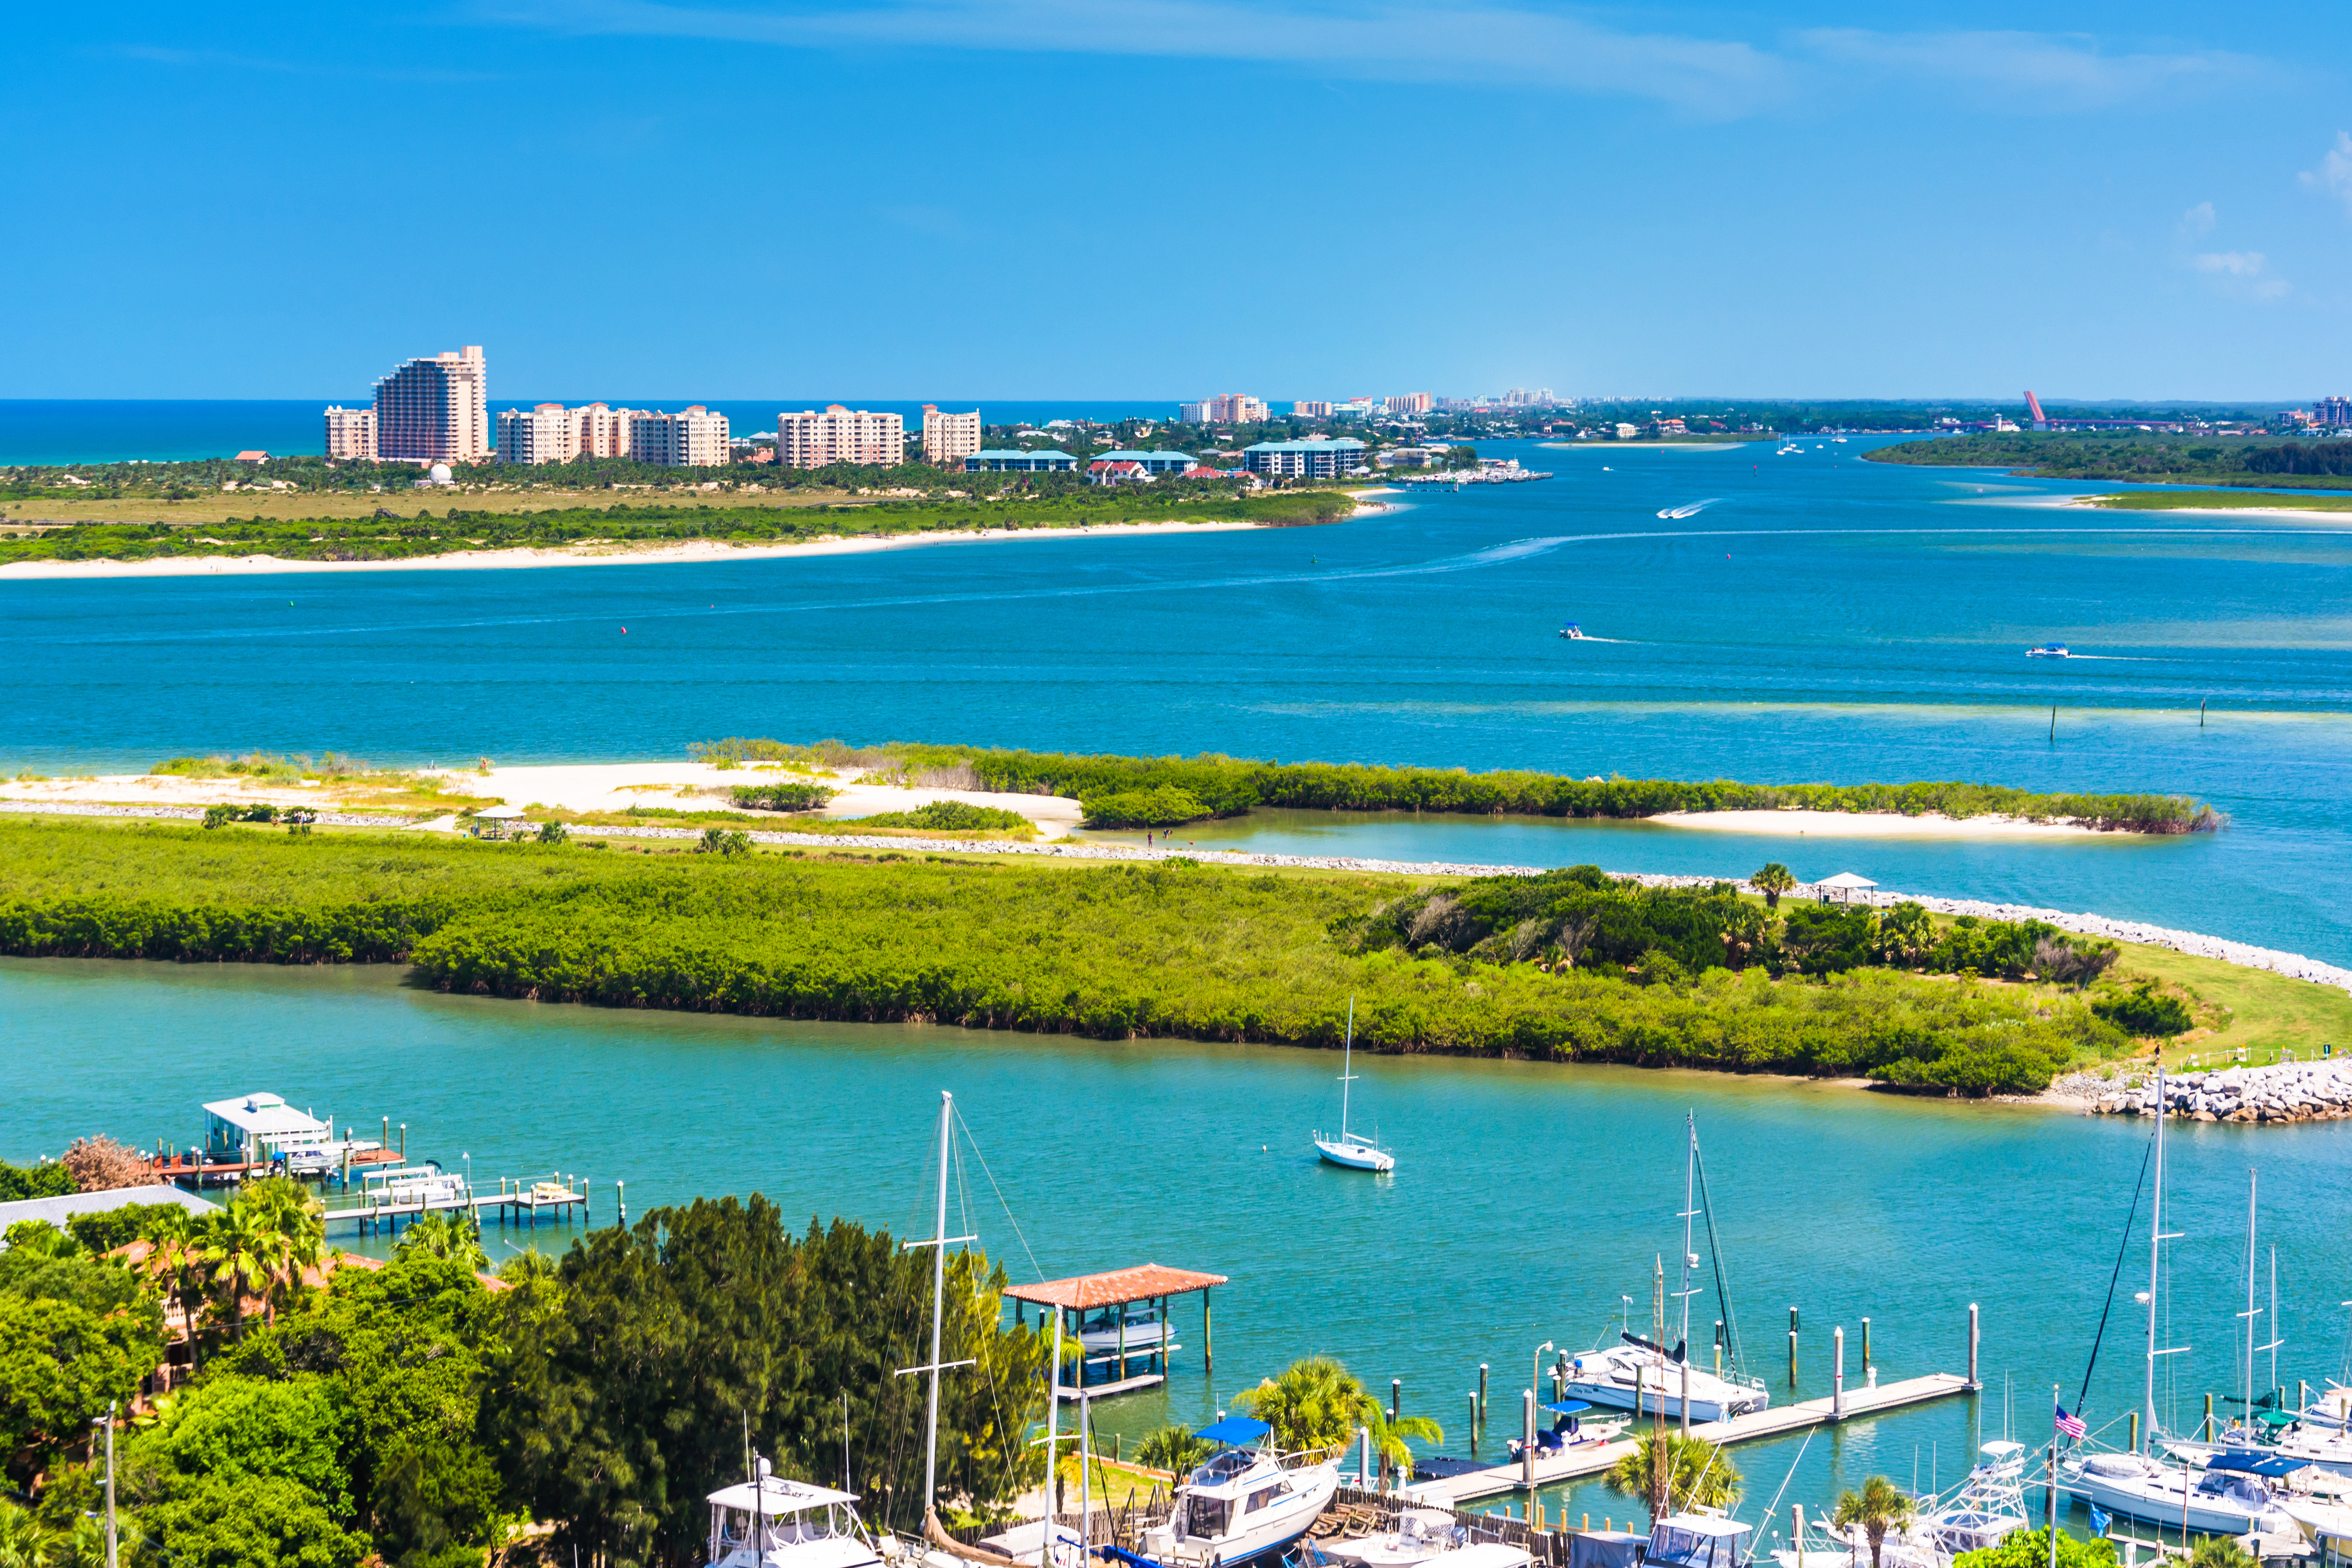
2269 1015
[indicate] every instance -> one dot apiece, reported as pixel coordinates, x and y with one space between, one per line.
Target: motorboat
1135 1329
2320 1448
1835 1547
1568 1431
1987 1508
1702 1538
771 1523
1421 1533
1573 632
2047 650
1245 1501
1643 1377
1350 1149
2231 1495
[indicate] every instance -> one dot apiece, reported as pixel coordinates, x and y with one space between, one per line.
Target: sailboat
1642 1375
1348 1149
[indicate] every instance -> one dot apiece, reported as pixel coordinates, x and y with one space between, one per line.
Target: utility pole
111 1539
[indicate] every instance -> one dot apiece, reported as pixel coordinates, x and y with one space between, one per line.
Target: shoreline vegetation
2308 505
2257 462
607 531
1119 792
1563 966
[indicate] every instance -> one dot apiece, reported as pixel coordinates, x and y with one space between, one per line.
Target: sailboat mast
938 1300
2277 1339
2251 1178
1347 1068
1690 1165
2155 1249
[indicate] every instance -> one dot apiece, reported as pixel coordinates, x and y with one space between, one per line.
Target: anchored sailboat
1348 1149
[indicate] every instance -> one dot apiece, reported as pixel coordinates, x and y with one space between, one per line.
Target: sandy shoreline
693 550
2299 514
1869 825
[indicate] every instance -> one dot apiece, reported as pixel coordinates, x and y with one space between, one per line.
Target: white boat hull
1355 1155
1282 1520
2172 1499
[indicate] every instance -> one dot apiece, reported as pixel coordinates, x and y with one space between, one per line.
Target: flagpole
2057 1409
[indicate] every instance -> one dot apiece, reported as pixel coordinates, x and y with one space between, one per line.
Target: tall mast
2249 1313
1347 1068
2155 1251
2277 1339
938 1300
1690 1163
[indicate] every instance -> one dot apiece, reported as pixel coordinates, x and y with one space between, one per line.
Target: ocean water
1528 1202
1819 618
158 430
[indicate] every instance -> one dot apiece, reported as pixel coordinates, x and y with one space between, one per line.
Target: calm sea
1529 1201
1819 618
164 430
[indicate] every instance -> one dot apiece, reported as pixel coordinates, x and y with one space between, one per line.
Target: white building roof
264 1116
1846 879
56 1211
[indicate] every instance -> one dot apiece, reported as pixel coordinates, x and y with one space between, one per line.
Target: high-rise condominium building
546 434
434 410
1311 410
950 439
350 432
1224 408
811 440
1411 402
604 432
691 438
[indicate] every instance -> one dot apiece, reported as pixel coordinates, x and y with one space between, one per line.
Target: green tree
2030 1549
1316 1403
2219 1552
447 1236
1880 1506
1173 1448
1772 881
1668 1473
60 1366
25 1541
245 1256
253 1522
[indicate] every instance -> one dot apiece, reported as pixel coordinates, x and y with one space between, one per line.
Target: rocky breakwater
2287 1091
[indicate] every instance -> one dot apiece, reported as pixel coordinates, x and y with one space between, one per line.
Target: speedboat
2047 650
1702 1538
1567 1432
1643 1377
2232 1495
1247 1499
1987 1509
1573 632
771 1523
1350 1149
1421 1533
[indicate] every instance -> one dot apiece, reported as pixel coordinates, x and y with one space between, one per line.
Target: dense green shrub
2146 1011
947 817
46 1180
1161 806
782 797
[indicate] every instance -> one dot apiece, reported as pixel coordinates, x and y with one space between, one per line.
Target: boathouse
1109 1321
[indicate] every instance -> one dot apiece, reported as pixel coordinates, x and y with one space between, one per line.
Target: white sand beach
1867 824
606 555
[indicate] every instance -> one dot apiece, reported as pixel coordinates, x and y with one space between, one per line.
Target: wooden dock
522 1205
1592 1459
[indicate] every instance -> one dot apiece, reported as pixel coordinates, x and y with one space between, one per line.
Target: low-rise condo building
1154 462
1305 459
811 440
1224 408
434 410
693 437
350 432
548 433
1046 460
950 439
1311 410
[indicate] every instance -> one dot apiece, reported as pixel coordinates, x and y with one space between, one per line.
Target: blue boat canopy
2256 1464
1235 1430
1568 1407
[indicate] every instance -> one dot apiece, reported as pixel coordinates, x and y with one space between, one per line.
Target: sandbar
1868 825
606 555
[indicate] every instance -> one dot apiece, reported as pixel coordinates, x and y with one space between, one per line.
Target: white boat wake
1675 513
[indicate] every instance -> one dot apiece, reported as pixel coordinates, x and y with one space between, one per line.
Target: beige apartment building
691 438
546 434
950 439
811 440
350 432
1224 408
434 410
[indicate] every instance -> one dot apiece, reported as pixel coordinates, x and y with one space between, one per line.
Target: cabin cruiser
1135 1329
1645 1377
2047 650
771 1523
2232 1496
1702 1538
1245 1501
1987 1509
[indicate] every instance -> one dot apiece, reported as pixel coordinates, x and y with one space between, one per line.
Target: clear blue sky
1040 198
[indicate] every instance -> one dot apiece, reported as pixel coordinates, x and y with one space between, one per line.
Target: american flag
2071 1425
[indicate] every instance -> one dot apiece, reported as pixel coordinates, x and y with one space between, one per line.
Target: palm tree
1772 881
24 1542
1317 1402
2219 1552
291 1216
1668 1473
1172 1448
444 1235
528 1265
1904 932
242 1259
1878 1508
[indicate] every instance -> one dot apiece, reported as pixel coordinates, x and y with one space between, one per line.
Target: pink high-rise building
434 410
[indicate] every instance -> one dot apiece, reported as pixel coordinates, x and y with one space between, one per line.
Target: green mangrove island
2267 462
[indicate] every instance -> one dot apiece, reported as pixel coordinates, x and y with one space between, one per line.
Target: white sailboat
1348 1149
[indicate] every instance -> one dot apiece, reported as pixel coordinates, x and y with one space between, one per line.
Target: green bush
719 841
1163 806
782 797
553 833
2146 1012
46 1180
219 815
947 817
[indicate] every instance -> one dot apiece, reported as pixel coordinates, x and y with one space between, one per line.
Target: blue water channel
1529 1201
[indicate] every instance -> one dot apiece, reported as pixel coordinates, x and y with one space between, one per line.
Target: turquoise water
1820 619
1529 1200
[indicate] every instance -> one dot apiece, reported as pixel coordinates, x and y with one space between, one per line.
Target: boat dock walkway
1590 1461
522 1205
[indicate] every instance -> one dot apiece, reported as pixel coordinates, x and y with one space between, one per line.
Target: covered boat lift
1118 1291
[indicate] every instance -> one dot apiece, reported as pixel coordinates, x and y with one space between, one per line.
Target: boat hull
1283 1520
2163 1505
1355 1156
1654 1403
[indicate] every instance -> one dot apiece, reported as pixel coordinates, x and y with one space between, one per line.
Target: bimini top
2255 1464
1565 1407
1234 1431
1115 1289
778 1496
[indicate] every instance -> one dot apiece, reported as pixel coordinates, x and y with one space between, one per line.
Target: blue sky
1043 198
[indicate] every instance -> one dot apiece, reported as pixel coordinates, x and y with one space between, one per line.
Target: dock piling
1473 1422
1481 1395
1865 1347
1396 1399
2132 1446
1837 1374
1792 1347
1973 1384
1527 1449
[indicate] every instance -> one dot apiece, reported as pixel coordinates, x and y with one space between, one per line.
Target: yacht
1645 1377
2047 650
1424 1536
2231 1495
771 1523
1700 1539
1348 1149
1987 1509
1247 1499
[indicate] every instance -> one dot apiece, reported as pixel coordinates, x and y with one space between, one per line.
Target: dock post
1482 1393
620 1202
2132 1446
1796 1530
2205 1431
404 1142
1973 1384
1208 1339
1837 1383
1792 1347
2302 1394
1527 1450
1473 1422
1865 1349
1396 1399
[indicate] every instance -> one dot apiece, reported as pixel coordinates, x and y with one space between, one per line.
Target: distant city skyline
2103 201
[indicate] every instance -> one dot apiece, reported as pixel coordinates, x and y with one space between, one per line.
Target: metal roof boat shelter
1112 1294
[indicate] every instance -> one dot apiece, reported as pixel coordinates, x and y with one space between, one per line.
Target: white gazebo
1846 883
494 820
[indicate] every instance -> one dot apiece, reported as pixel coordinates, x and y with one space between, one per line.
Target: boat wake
1675 513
